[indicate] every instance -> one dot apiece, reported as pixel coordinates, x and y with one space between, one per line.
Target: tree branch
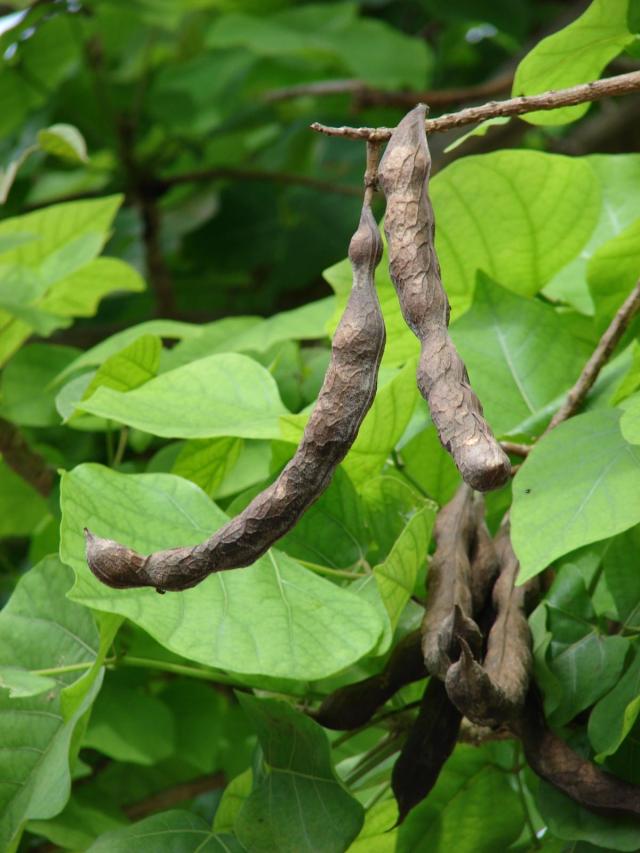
369 96
28 464
164 183
592 368
622 84
590 372
171 797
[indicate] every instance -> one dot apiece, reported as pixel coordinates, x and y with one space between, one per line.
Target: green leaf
79 294
297 803
630 420
129 725
55 227
40 629
518 354
134 365
78 824
383 426
206 462
253 467
22 509
576 54
207 725
22 683
581 483
64 141
427 464
460 812
618 176
508 213
630 382
171 329
396 576
233 798
569 821
622 576
274 618
512 215
479 130
379 833
220 395
613 272
332 531
27 398
309 322
166 832
615 714
389 501
587 669
58 262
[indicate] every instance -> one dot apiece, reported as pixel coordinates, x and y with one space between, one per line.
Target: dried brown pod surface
442 377
495 692
484 559
352 706
430 742
555 762
345 397
449 608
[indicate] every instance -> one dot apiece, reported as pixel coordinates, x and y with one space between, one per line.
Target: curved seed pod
495 692
449 604
345 397
555 762
442 377
352 706
430 742
484 560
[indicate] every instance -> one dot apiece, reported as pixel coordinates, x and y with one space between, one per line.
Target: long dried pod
449 608
555 762
345 397
442 377
352 706
484 559
495 692
430 742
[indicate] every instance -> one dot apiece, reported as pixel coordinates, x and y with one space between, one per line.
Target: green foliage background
172 244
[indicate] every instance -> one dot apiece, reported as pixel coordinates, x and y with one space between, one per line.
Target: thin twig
370 96
515 448
28 464
171 797
164 183
592 368
622 84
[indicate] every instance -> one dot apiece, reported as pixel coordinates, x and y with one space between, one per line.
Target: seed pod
345 397
484 560
430 742
582 780
442 377
448 613
352 706
495 692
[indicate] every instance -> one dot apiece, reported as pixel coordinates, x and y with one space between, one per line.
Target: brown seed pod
484 560
352 706
495 692
430 742
582 780
345 397
448 613
442 377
